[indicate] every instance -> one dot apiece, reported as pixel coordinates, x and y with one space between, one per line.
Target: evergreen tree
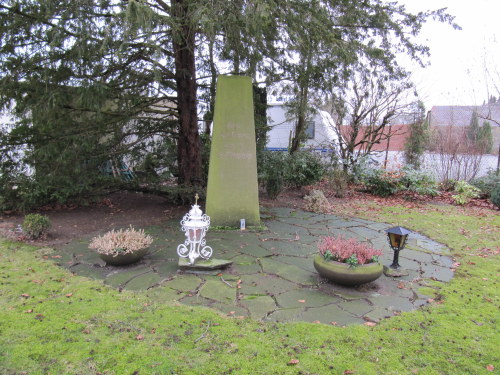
473 129
480 137
97 71
418 137
485 138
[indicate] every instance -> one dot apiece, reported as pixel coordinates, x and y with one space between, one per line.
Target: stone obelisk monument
232 192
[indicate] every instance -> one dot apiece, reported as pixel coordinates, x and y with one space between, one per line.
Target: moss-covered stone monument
232 192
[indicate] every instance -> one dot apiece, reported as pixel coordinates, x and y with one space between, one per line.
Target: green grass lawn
53 322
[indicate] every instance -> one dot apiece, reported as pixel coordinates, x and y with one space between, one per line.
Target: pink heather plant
348 250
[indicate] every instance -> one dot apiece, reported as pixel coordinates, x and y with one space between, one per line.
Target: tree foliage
418 137
330 42
479 137
90 82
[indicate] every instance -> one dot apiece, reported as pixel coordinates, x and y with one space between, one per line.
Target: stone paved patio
272 277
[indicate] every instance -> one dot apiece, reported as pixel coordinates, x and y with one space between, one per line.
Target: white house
321 135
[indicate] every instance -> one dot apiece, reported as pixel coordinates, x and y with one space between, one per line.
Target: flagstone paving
272 277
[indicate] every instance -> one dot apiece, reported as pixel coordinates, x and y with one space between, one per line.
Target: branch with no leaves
203 335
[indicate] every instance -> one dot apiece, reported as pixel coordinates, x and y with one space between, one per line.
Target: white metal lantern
195 225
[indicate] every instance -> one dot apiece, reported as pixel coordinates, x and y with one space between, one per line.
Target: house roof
461 115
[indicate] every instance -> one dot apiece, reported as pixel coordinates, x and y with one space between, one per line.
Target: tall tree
479 137
418 138
123 58
362 112
338 37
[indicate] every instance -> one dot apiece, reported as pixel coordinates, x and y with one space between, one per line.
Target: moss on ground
54 322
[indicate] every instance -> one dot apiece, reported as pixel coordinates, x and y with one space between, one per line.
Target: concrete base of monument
204 265
392 272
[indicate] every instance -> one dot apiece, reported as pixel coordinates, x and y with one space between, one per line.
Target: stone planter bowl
124 259
343 274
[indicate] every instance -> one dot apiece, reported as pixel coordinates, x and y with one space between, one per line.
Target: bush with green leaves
360 171
495 196
279 169
419 181
465 192
382 182
304 168
35 225
272 171
487 184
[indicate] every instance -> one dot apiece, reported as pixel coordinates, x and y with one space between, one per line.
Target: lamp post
397 237
195 225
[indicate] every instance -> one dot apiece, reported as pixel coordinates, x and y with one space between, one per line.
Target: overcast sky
456 75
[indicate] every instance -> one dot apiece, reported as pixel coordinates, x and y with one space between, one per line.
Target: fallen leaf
293 362
490 367
139 337
153 330
401 285
39 317
370 324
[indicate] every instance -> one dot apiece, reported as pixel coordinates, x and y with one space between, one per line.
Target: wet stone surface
271 276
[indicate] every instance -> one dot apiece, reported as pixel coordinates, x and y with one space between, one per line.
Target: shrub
316 202
338 181
465 192
420 182
35 225
382 182
303 168
122 241
278 169
447 185
348 251
495 196
362 169
271 172
274 186
487 184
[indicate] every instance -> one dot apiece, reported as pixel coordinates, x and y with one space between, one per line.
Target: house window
310 129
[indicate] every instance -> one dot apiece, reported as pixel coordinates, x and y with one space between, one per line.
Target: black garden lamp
397 237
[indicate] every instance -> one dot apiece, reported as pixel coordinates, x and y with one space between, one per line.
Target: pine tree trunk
188 145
